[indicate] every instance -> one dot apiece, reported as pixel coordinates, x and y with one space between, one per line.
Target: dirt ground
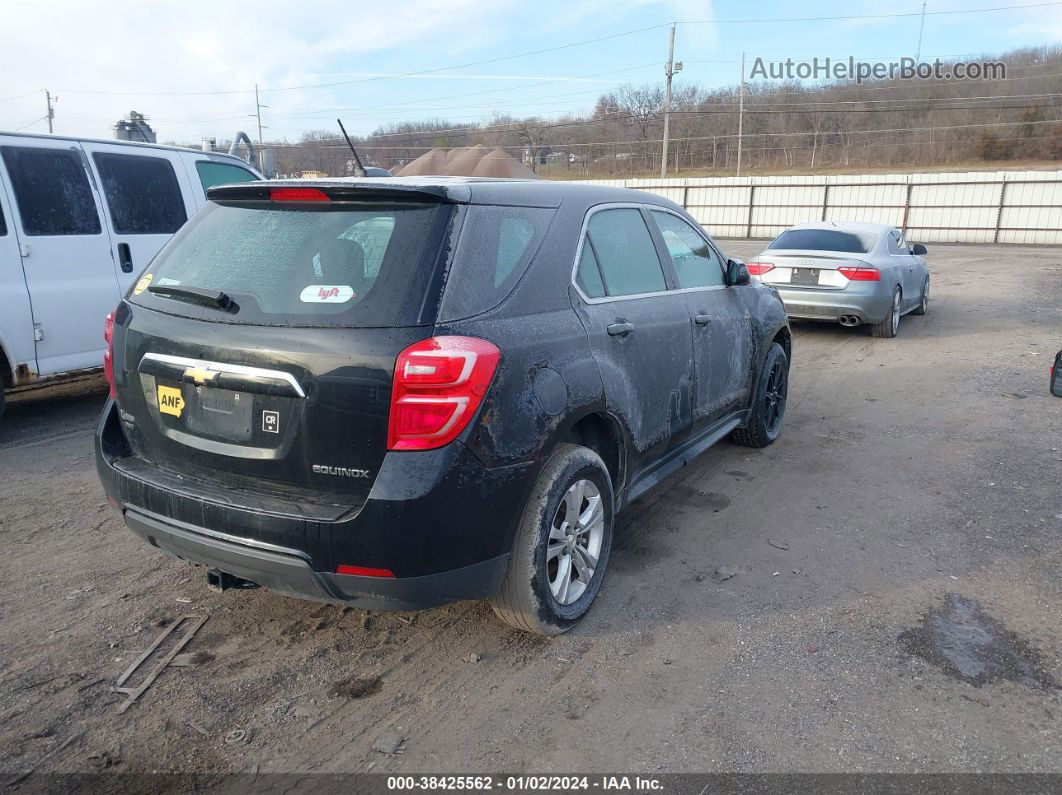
878 591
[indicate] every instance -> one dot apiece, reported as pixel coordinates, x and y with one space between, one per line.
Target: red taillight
298 195
759 268
860 273
438 386
108 355
363 571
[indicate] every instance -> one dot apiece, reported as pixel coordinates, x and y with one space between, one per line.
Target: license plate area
805 277
223 414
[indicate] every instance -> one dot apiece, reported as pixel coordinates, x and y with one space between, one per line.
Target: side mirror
736 273
919 250
1056 376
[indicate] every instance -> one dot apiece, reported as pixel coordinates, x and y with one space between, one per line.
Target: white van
80 219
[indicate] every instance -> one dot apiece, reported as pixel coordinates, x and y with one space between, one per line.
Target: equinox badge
320 469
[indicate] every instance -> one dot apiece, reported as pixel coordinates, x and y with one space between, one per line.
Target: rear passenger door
65 250
722 337
639 331
147 198
900 254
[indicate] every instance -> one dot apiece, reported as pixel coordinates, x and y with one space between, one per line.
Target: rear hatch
256 356
814 257
815 269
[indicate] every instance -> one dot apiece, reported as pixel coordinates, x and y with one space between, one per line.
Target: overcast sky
192 66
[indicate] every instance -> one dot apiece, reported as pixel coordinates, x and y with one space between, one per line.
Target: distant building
313 175
135 128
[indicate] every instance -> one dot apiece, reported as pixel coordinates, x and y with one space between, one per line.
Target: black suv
398 393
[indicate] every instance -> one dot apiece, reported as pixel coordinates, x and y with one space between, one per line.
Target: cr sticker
142 285
271 421
326 294
170 401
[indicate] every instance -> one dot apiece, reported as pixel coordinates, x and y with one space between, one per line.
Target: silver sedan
847 273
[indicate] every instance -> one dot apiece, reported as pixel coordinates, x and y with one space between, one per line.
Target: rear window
823 240
364 265
211 174
495 248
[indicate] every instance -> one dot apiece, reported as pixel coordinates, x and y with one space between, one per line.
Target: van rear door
148 198
65 249
16 319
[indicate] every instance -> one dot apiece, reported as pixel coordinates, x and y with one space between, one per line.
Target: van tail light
860 273
759 268
438 386
108 354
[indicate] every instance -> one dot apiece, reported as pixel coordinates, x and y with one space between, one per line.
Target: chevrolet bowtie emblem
200 376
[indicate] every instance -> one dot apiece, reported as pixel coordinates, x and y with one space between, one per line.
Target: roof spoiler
351 192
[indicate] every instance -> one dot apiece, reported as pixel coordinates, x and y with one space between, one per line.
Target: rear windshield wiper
196 295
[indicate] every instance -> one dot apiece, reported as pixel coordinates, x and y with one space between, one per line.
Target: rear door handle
702 320
125 258
621 329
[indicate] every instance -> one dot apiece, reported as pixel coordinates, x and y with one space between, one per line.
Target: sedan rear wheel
890 326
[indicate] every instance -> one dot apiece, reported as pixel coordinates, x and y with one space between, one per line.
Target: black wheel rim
774 397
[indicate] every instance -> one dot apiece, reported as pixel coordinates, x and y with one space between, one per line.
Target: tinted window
211 173
352 267
897 245
823 240
3 224
494 250
52 191
142 194
625 252
696 263
589 275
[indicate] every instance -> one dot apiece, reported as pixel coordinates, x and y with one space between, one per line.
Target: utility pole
741 112
669 71
921 25
258 113
51 113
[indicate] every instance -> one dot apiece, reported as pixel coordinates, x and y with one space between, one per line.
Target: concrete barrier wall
1022 207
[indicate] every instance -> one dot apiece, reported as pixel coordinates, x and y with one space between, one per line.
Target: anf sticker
170 401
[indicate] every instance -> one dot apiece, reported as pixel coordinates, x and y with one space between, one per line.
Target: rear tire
890 326
768 401
550 549
923 304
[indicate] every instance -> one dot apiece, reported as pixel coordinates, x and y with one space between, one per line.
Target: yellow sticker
142 285
170 401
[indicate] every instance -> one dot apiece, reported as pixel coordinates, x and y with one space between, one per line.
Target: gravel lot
808 607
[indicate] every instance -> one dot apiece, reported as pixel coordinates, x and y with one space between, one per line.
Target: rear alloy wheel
562 545
890 326
768 403
923 304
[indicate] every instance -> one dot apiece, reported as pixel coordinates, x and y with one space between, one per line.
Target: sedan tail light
759 268
860 273
438 386
108 354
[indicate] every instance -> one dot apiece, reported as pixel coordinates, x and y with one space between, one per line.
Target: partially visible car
847 273
1056 375
79 221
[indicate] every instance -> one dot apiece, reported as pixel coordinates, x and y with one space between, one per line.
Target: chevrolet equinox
398 393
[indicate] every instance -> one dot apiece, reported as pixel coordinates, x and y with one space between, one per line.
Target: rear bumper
289 572
440 520
870 306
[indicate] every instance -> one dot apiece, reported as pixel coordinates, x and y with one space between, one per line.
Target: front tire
562 545
890 326
923 304
768 401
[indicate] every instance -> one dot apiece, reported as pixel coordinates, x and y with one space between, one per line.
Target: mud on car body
400 393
